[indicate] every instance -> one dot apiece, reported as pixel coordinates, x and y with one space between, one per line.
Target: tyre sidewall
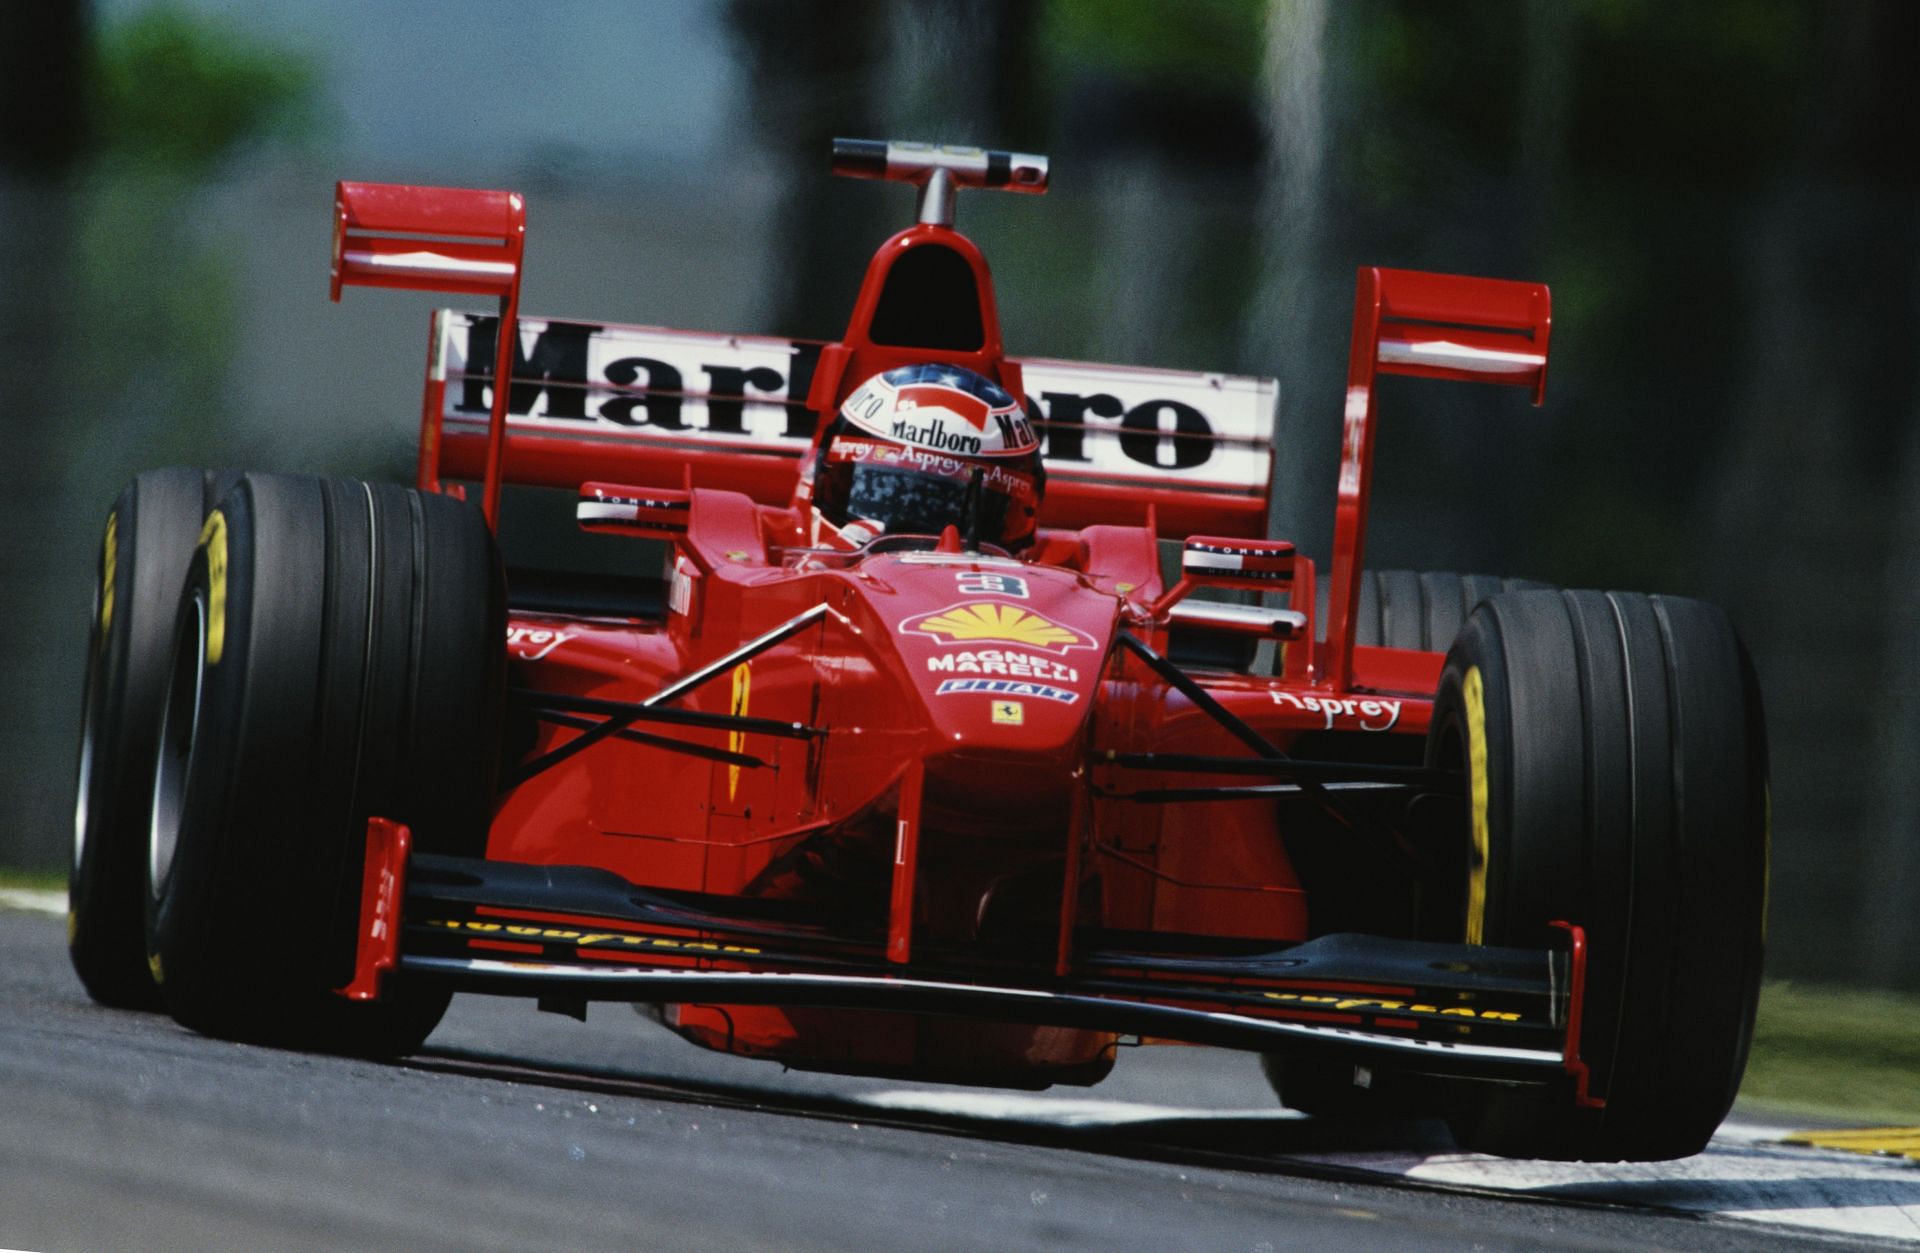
350 639
229 921
148 542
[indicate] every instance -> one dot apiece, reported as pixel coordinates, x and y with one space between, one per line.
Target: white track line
34 899
1745 1173
1050 1110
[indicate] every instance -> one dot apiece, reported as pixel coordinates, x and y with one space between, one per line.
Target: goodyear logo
109 559
1370 1004
213 538
583 939
983 622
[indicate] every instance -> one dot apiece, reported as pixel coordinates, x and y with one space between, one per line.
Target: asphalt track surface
517 1129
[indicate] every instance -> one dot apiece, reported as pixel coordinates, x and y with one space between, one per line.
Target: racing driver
920 448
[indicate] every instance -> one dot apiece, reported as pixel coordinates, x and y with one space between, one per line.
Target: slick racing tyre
339 653
1416 609
1615 759
149 539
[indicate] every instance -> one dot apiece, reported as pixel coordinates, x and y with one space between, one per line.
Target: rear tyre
1416 609
148 542
338 654
1615 753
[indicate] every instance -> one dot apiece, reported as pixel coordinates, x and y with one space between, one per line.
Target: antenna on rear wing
939 170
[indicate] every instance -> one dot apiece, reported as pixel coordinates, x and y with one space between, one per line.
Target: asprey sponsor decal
534 643
1006 687
986 622
1011 664
1369 714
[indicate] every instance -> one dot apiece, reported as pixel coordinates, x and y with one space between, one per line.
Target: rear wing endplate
1444 326
443 239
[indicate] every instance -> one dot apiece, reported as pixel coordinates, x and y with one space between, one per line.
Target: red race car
913 761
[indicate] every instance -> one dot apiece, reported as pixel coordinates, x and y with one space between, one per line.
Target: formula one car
913 761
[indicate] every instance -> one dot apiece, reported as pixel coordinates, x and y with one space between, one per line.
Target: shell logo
979 622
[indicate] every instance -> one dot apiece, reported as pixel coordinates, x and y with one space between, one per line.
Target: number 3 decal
980 583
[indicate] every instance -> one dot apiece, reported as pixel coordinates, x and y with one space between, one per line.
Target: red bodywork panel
948 751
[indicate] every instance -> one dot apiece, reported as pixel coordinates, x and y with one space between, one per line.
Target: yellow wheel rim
1473 691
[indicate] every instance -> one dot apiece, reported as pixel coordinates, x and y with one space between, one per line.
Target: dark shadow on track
1283 1144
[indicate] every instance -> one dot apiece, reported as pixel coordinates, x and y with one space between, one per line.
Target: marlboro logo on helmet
924 447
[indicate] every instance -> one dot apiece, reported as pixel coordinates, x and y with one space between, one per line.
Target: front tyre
1615 755
148 542
338 654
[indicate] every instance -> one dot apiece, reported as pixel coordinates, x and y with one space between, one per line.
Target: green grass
37 880
1836 1053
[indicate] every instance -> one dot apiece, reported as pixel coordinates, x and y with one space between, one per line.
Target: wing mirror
1257 565
1260 565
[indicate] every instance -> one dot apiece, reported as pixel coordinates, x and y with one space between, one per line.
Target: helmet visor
907 492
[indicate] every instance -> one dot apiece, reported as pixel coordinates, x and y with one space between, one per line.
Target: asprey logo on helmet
943 409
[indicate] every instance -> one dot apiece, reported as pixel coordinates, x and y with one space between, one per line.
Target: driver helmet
923 447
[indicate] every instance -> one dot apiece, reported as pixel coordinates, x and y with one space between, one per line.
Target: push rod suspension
620 715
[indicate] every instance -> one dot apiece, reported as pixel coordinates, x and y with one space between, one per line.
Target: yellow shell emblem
983 621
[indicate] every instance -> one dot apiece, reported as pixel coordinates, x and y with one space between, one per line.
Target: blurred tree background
1714 191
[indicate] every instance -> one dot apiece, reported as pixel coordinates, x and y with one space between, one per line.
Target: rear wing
445 239
1444 326
651 407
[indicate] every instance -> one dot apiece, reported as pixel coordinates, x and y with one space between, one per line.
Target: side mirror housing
1255 565
1259 565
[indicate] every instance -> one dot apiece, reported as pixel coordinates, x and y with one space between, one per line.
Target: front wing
567 935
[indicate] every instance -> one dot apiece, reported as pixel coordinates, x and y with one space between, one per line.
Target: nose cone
1005 657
